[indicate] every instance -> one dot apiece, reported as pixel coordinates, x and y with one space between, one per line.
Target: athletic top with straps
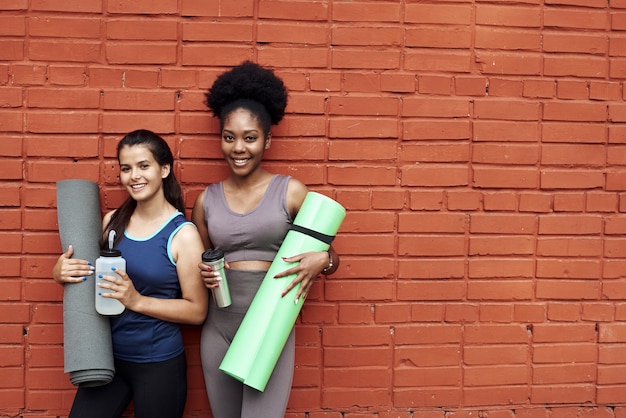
151 267
255 235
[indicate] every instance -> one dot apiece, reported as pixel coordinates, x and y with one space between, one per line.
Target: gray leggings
230 398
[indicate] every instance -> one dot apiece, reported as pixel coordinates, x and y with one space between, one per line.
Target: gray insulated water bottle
215 259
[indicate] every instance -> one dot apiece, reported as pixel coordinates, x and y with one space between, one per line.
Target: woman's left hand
309 266
122 287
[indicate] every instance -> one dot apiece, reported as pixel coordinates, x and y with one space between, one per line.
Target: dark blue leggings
156 389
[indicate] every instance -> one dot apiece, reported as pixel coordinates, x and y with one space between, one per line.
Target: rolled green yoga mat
260 339
87 345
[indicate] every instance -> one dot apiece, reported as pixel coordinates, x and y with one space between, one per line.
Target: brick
502 15
563 373
431 269
505 131
121 52
572 90
471 86
427 290
64 51
354 106
500 375
350 58
484 267
539 88
123 122
575 18
500 201
435 130
431 223
28 74
490 37
535 202
12 26
432 152
143 7
496 289
569 247
501 245
47 146
576 66
503 224
570 179
144 30
46 171
451 61
575 43
494 355
462 313
62 27
435 84
304 56
506 154
73 75
62 122
426 397
138 100
505 87
563 289
76 6
491 177
366 11
11 50
562 393
509 64
435 175
451 14
438 37
588 155
299 33
63 98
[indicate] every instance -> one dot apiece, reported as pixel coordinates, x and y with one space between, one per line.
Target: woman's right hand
211 278
71 270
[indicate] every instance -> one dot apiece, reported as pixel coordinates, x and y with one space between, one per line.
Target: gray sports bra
256 235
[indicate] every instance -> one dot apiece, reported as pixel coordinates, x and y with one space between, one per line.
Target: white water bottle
108 260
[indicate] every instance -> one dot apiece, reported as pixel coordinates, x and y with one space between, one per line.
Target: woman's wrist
328 268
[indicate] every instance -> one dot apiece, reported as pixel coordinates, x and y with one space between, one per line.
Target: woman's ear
268 141
165 170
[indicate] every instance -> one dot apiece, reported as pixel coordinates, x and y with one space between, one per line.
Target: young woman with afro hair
247 215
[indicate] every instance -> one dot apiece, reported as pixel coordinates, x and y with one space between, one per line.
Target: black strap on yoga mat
327 239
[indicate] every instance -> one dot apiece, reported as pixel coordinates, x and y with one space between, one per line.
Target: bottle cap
110 252
212 255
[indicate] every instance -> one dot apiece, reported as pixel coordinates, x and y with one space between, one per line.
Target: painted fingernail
89 263
84 278
99 294
113 268
100 276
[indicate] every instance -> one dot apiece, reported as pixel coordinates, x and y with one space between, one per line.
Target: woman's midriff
250 265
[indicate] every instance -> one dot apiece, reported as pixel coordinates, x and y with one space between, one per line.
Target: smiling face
243 142
140 173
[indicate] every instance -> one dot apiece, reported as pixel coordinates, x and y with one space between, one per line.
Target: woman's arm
197 217
310 264
192 307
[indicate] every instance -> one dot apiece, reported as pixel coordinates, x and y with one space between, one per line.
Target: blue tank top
256 235
140 338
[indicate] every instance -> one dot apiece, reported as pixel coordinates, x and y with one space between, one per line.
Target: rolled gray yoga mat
88 349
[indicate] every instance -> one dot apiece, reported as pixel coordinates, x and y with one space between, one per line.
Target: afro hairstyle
248 82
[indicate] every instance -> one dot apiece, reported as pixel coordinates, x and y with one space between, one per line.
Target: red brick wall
477 145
